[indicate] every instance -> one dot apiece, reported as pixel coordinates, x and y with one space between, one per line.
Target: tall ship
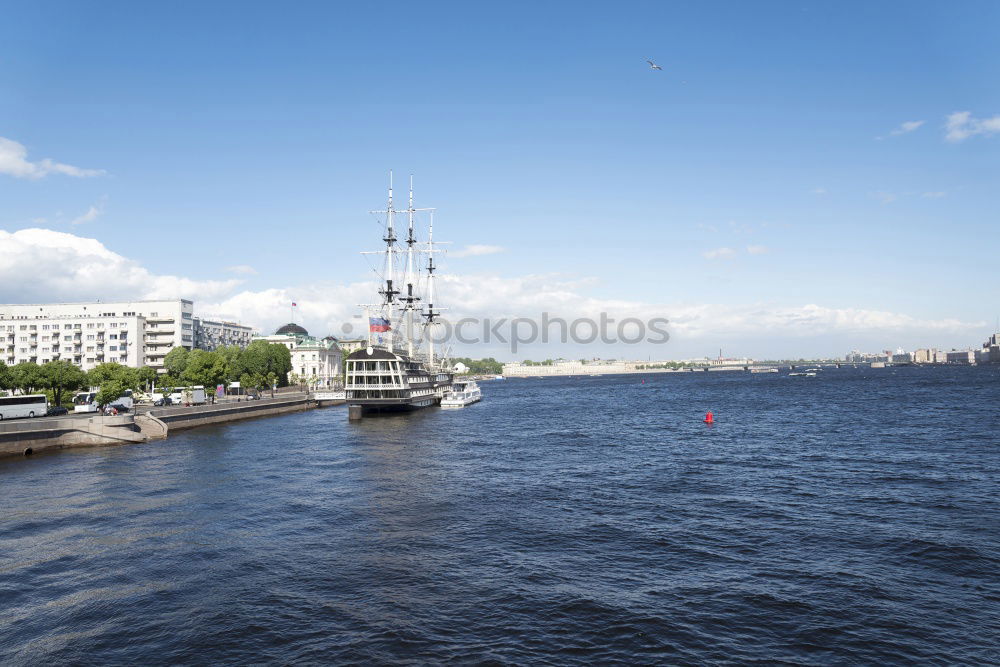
398 371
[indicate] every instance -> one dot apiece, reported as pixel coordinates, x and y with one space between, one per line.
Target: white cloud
961 125
933 195
884 197
758 249
476 250
719 253
66 267
818 191
242 270
907 127
14 162
93 213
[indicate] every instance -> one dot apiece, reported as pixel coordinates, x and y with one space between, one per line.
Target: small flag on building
378 324
295 304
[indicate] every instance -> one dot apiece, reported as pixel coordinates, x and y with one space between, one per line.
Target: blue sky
757 171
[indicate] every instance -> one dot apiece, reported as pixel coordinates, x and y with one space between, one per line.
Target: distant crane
653 65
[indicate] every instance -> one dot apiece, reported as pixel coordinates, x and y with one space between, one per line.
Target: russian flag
378 324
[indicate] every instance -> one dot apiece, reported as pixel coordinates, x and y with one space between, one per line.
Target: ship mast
388 293
430 314
410 299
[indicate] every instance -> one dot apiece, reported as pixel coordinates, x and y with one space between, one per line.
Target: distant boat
461 394
763 370
792 375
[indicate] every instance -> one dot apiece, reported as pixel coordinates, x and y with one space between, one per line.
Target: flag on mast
378 324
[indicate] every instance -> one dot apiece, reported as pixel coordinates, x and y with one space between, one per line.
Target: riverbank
28 437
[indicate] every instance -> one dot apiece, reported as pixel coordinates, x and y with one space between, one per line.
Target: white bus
12 407
86 401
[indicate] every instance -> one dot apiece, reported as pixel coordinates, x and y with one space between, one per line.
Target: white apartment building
86 342
316 361
135 333
210 334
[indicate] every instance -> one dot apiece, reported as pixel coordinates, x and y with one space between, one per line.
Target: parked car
56 411
163 400
119 407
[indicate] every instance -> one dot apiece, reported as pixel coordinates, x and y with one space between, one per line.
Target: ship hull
379 381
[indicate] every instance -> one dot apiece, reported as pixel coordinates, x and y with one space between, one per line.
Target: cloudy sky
800 179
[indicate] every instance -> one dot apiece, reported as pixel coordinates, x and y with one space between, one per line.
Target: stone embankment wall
30 436
176 419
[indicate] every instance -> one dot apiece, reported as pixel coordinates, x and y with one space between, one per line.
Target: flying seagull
653 65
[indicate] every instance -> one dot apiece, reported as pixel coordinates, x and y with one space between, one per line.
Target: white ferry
462 393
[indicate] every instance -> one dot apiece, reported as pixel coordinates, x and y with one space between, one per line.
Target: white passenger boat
461 394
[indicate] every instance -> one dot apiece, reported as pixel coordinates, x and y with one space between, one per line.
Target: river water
850 518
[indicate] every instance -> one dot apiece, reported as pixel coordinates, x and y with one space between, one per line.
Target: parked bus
86 401
12 407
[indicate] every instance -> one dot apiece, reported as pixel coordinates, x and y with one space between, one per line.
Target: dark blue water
851 518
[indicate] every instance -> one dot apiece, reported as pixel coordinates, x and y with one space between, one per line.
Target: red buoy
709 418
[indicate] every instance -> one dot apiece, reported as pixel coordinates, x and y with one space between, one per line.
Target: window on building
90 337
67 326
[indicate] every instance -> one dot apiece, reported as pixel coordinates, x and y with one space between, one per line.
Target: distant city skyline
799 180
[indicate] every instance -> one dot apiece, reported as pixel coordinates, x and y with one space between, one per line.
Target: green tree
62 375
261 358
205 368
272 381
252 381
5 378
111 390
176 361
146 376
27 377
231 353
112 370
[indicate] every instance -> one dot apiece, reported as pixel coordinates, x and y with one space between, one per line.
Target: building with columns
315 361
